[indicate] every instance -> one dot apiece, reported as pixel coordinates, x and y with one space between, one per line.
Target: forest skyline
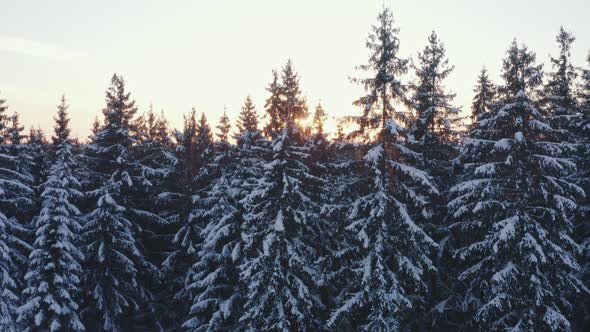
168 59
407 220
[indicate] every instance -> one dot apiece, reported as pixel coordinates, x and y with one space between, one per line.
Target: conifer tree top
120 108
61 129
520 72
559 88
248 119
485 93
384 68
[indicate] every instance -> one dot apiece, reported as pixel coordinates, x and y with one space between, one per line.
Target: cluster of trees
405 223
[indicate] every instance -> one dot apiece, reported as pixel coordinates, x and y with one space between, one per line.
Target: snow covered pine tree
13 191
113 257
559 97
581 131
281 227
390 251
511 213
50 300
215 280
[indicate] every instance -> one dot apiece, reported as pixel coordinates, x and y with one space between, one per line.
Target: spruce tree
188 237
114 260
435 115
510 214
581 131
217 302
485 96
50 300
280 225
197 154
520 73
340 135
285 101
280 234
219 293
177 201
38 149
9 299
19 203
95 126
16 180
559 93
247 120
273 106
387 253
319 119
215 276
251 151
154 166
294 105
384 86
204 140
433 134
3 120
11 255
223 133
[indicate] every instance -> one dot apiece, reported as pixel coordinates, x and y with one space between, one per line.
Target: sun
306 122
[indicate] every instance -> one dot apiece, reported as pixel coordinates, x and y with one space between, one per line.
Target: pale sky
212 53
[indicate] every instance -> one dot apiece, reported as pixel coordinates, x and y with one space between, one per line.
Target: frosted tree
520 73
3 120
112 261
204 142
50 299
510 214
251 151
559 90
273 106
95 126
223 129
185 152
188 238
213 278
248 119
154 167
294 105
176 199
8 298
435 116
581 130
37 147
17 192
280 241
386 253
16 181
215 281
485 96
155 161
198 154
22 165
385 86
113 258
318 123
285 100
433 134
280 224
10 255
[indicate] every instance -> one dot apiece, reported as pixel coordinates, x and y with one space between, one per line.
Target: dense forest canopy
408 217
